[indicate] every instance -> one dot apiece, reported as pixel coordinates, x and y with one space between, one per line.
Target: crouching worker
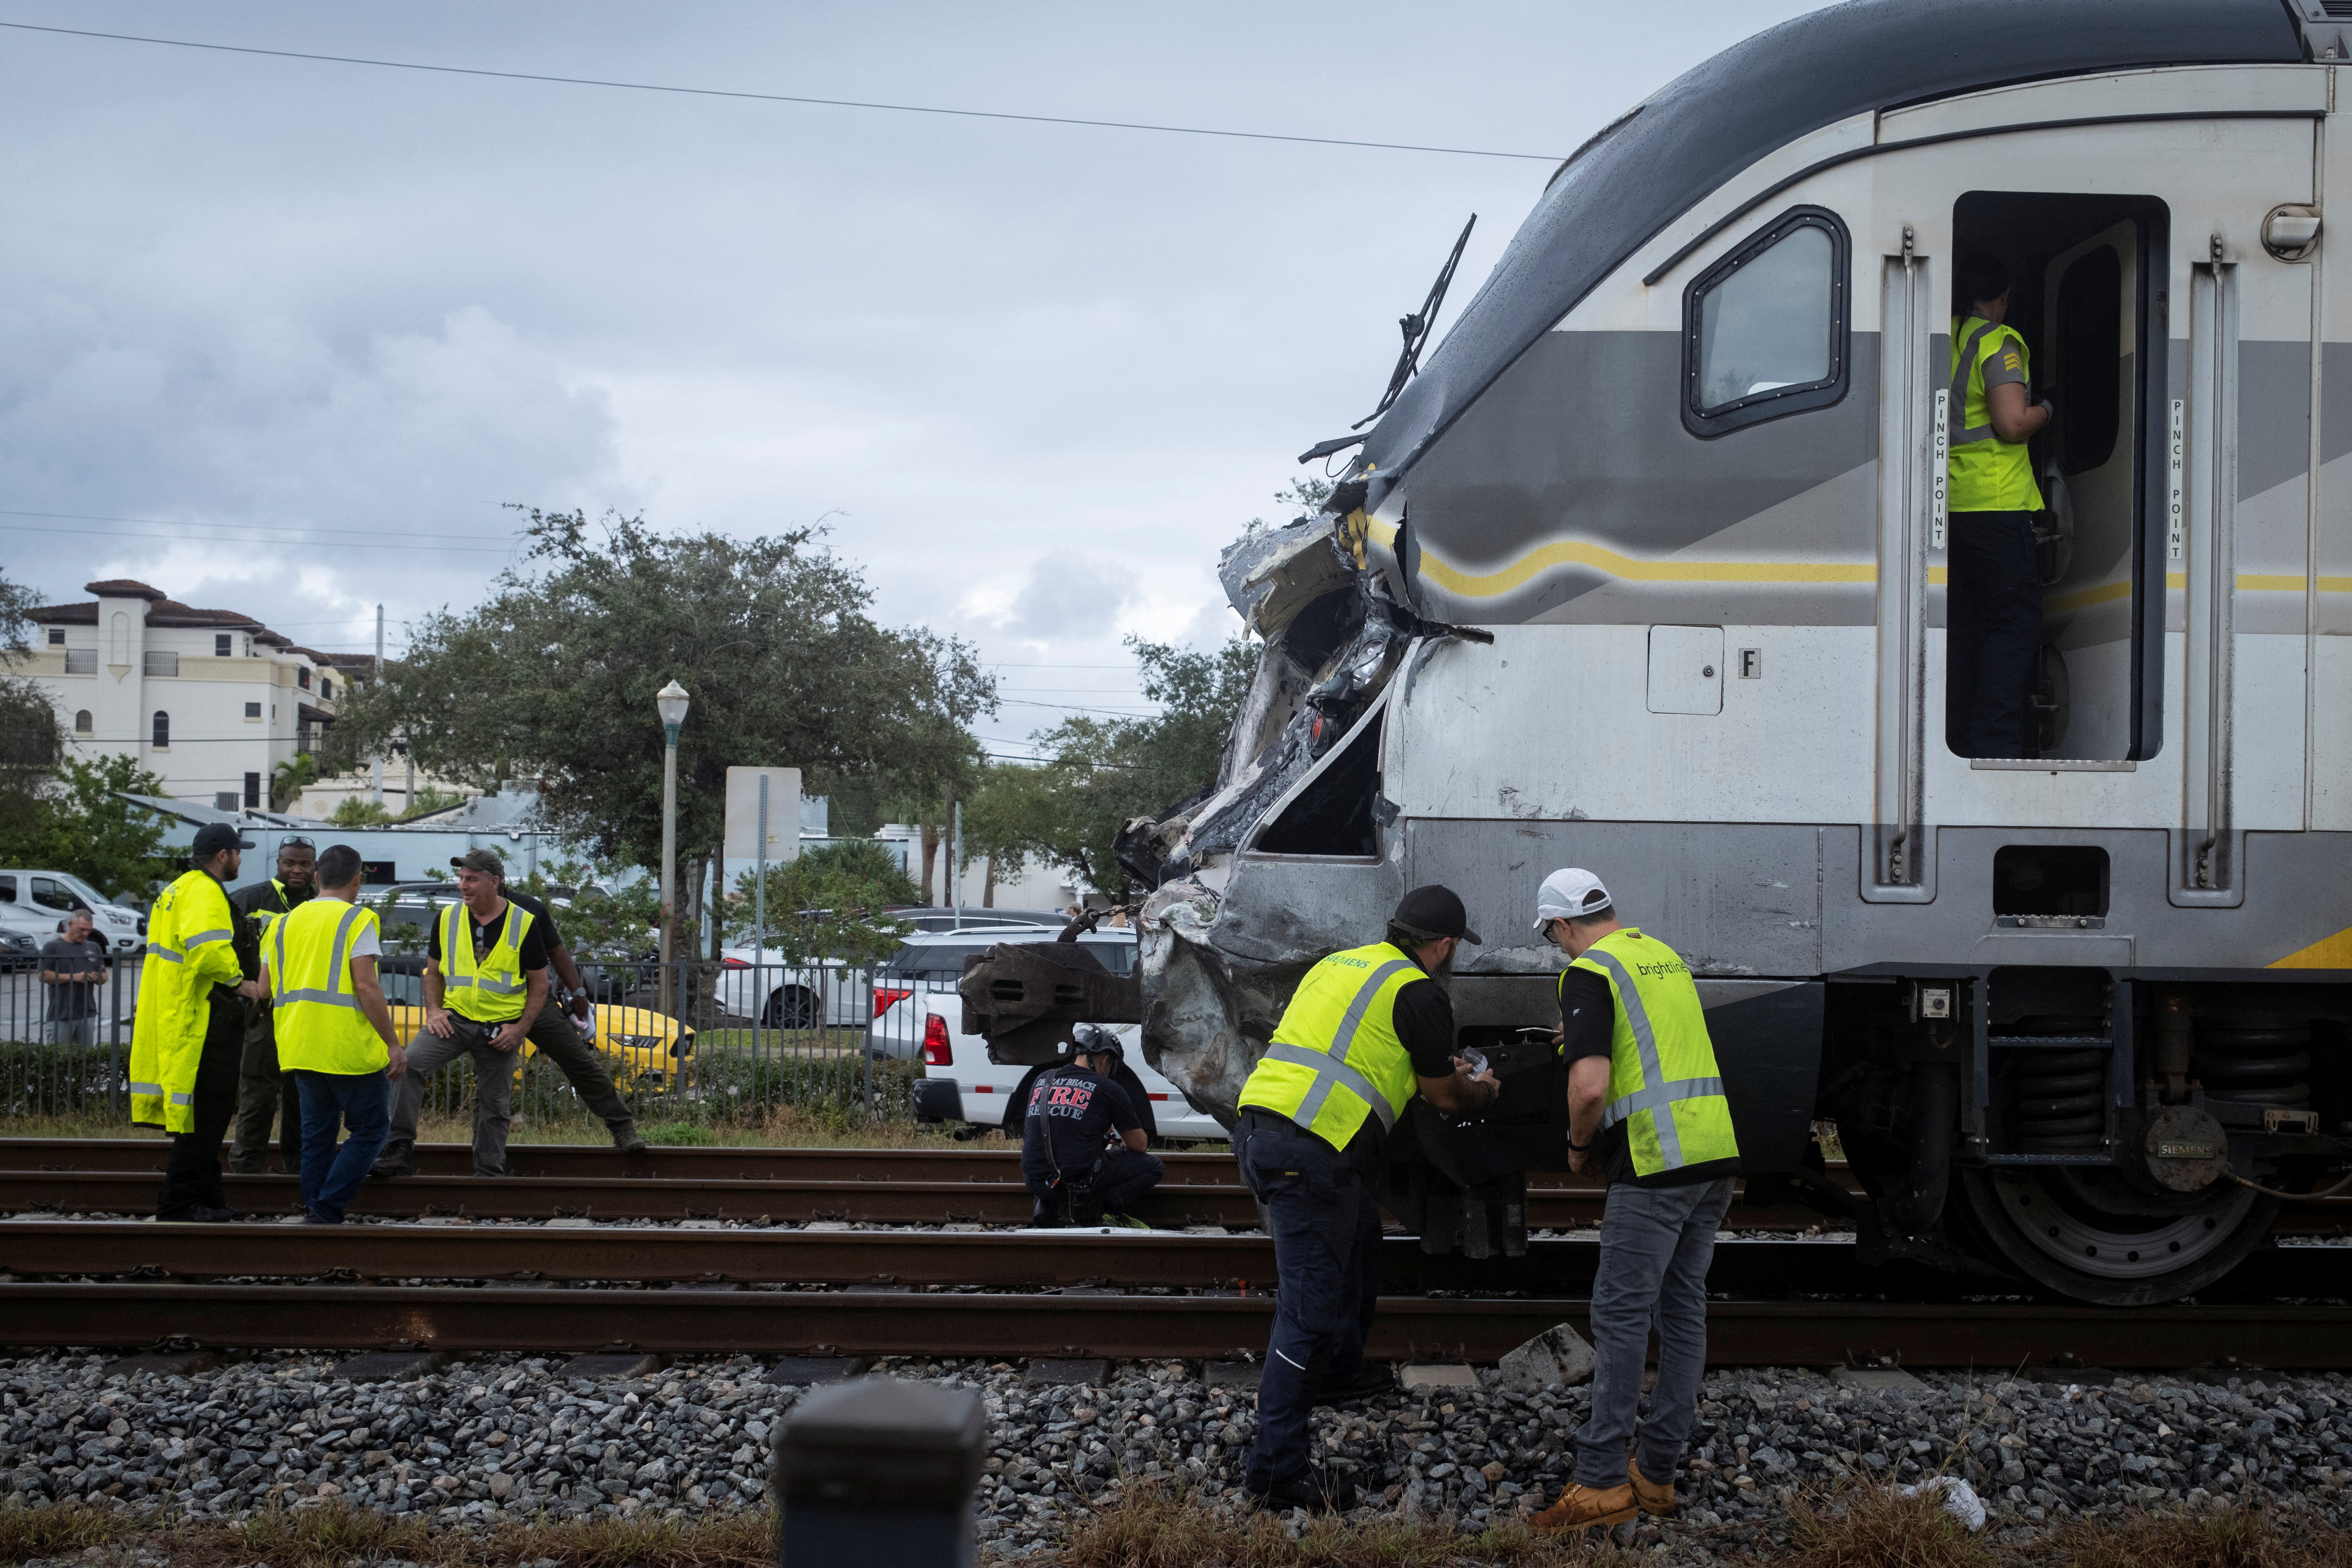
1081 1145
334 1033
1646 1105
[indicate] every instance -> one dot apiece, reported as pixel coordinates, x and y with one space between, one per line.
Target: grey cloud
1070 598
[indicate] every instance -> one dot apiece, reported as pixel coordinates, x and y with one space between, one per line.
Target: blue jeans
1327 1264
1656 1244
331 1102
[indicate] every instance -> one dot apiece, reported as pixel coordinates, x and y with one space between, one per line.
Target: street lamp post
671 702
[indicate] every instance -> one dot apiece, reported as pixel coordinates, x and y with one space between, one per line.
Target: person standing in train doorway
1993 600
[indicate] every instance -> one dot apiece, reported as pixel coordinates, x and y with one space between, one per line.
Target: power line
263 527
344 543
782 98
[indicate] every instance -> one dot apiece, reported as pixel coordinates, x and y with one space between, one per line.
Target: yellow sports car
642 1047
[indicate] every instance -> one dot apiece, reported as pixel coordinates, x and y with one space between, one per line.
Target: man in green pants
262 1091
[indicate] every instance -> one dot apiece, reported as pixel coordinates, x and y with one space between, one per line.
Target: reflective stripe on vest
1985 473
1371 976
189 955
492 993
1700 1132
319 1024
1963 371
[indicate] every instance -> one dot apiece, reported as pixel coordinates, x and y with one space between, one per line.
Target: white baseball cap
1568 892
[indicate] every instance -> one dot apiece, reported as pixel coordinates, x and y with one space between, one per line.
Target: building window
57 637
253 790
163 663
248 646
1764 329
326 689
303 675
224 800
253 709
81 661
163 741
81 721
221 644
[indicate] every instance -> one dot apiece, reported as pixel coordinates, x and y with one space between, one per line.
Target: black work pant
192 1175
264 1094
1122 1176
1326 1263
1993 641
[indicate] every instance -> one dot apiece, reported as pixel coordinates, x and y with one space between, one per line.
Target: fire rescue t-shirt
1080 1112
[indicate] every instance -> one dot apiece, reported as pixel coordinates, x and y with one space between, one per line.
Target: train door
2177 353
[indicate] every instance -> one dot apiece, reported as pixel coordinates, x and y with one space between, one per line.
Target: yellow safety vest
1336 1058
321 1028
1987 474
190 950
269 918
495 991
1662 1081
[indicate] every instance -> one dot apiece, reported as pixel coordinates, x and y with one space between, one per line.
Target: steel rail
792 1200
1017 1261
694 1322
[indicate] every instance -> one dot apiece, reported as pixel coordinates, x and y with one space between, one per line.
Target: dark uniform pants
552 1032
1993 606
1327 1242
192 1175
264 1093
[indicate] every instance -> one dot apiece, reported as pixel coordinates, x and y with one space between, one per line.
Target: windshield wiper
1415 329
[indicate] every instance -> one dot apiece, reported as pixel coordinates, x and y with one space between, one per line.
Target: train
1644 570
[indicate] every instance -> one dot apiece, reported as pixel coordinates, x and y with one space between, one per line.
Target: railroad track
1199 1328
1021 1260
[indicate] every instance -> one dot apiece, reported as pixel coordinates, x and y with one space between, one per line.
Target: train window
1764 329
2090 357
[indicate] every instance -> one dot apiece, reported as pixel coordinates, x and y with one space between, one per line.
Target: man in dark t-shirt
1082 1143
71 967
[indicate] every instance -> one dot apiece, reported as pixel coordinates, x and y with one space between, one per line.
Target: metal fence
690 1041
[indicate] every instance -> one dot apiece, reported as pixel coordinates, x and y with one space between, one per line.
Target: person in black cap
1368 1028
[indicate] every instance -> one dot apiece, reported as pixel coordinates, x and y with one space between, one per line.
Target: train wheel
2085 1233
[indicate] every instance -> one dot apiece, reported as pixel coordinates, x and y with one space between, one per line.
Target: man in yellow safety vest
1367 1029
1646 1105
333 1034
263 1091
190 1027
484 984
1993 589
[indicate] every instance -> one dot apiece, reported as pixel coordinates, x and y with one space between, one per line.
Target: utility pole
955 863
670 702
375 674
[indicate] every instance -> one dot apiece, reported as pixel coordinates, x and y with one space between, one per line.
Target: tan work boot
1655 1497
1580 1508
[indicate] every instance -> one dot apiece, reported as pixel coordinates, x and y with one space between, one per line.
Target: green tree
1104 773
353 812
290 778
833 902
81 824
553 678
31 739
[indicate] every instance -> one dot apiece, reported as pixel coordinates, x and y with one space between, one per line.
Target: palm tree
290 779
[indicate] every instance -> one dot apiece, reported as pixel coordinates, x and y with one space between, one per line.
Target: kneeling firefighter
1367 1029
1082 1144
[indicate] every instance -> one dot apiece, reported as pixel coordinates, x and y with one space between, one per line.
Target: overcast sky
1031 377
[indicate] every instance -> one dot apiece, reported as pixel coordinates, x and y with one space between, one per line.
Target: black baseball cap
484 860
215 837
1435 911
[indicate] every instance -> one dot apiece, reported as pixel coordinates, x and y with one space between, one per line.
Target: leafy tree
833 902
553 678
31 739
1103 773
81 824
431 799
353 812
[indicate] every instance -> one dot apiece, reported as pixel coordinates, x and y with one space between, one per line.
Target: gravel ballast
508 1436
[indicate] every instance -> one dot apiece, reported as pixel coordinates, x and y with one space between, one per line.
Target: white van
918 1014
37 896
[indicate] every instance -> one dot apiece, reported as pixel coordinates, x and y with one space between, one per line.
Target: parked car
19 949
918 1014
646 1048
57 894
755 982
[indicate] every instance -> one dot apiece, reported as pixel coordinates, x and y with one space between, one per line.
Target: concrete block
390 1366
1878 1377
1437 1375
1558 1358
613 1364
805 1370
1054 1372
164 1363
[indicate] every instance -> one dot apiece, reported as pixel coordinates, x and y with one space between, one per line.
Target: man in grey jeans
1646 1104
72 966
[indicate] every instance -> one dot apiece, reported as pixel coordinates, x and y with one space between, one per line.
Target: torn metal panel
1272 574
